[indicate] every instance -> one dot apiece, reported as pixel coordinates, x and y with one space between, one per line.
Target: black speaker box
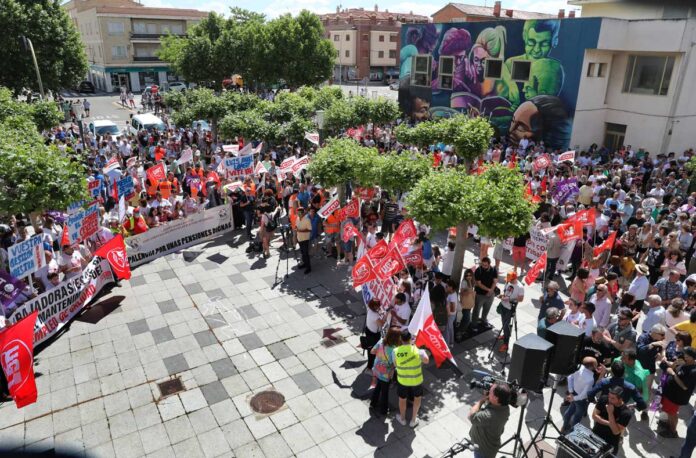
528 365
567 342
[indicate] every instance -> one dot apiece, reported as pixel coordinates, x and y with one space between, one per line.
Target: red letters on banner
17 360
569 231
351 210
406 231
378 251
156 173
414 258
542 162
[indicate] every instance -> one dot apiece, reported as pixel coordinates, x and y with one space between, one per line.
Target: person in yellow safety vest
332 229
409 377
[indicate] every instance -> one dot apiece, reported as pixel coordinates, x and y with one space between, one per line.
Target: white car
147 122
177 86
103 127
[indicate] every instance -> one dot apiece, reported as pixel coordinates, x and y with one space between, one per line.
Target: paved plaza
217 319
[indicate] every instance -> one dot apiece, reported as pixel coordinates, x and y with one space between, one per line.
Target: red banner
533 273
363 272
114 251
585 217
390 265
156 173
569 231
349 230
350 210
567 156
17 360
406 231
366 193
529 194
378 251
608 244
414 258
541 162
427 333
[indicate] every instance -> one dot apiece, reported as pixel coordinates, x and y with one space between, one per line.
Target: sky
273 8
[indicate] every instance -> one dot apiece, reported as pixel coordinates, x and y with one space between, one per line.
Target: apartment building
463 12
121 39
367 42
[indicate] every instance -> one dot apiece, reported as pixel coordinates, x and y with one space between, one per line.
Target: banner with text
238 166
83 223
26 257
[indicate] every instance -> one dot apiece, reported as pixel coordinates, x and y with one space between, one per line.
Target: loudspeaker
567 341
530 356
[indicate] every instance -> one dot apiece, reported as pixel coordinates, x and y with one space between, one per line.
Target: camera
484 381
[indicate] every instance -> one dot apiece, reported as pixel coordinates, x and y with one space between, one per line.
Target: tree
59 50
343 161
198 104
384 111
43 114
398 173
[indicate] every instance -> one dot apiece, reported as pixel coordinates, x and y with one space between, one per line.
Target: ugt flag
427 333
17 360
114 251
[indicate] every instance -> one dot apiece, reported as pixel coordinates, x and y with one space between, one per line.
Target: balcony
146 59
152 36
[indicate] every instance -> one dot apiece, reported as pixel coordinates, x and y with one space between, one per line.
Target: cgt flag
17 360
427 334
608 244
114 251
538 266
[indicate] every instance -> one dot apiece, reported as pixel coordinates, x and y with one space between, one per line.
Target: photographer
512 294
488 417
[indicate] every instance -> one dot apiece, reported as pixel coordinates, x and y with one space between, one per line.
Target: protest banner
179 234
125 186
186 156
59 305
541 162
111 165
238 166
26 257
114 251
536 245
122 209
286 165
383 291
350 210
350 231
427 333
260 168
366 193
10 287
76 206
156 173
131 161
363 272
536 269
230 148
83 224
94 187
312 137
299 165
244 151
567 156
330 207
566 189
390 265
17 360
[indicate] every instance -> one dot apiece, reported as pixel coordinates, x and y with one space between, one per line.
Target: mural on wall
534 99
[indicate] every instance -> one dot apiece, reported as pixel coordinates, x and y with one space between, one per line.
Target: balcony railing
146 58
153 36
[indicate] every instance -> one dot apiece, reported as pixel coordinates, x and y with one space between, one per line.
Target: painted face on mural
478 60
421 109
537 44
522 121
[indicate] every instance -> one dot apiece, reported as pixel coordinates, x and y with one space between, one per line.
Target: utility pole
28 46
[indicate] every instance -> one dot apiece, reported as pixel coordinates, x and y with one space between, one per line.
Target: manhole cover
171 387
266 402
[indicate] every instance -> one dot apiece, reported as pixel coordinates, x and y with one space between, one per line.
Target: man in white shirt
71 262
401 312
602 313
656 313
640 285
579 383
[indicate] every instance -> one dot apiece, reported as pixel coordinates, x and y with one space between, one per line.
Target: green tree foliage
346 113
59 50
43 114
400 172
342 161
287 48
33 176
439 199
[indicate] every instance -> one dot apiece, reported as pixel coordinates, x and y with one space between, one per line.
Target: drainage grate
267 402
171 387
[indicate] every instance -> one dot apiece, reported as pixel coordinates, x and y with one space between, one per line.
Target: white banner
59 305
329 208
26 257
567 156
312 137
178 234
186 156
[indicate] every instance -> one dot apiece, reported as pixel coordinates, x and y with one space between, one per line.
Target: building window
139 27
365 37
446 71
520 70
381 38
165 29
347 53
602 70
591 70
648 74
421 70
392 53
116 28
152 29
347 37
337 37
393 38
494 68
380 54
177 29
118 52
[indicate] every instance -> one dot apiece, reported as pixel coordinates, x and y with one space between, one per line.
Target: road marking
118 104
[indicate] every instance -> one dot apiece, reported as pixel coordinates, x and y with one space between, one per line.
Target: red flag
608 244
114 191
114 251
156 173
414 258
363 271
390 265
427 333
65 238
529 194
350 210
541 162
406 231
569 231
17 360
378 251
349 230
585 217
544 184
538 266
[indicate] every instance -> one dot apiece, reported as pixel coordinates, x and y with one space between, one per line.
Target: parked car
177 86
85 86
145 121
103 127
394 86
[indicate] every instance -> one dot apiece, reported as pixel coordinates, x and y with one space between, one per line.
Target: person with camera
512 294
611 416
488 418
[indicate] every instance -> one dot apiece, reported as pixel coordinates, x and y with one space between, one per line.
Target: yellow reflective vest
408 366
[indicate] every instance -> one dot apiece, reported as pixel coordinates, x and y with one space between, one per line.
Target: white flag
122 209
329 208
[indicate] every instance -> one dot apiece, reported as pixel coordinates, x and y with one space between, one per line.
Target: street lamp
27 46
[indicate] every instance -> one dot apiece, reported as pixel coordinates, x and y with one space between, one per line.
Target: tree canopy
291 49
57 44
400 172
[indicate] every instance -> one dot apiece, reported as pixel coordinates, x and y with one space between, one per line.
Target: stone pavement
216 318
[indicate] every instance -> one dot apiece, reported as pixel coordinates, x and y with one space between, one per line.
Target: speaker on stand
529 362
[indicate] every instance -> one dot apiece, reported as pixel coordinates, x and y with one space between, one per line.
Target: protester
611 416
409 377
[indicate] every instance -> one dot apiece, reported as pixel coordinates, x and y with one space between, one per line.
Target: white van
145 121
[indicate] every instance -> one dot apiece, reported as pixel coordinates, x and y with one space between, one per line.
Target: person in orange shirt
134 223
165 188
176 189
332 231
151 187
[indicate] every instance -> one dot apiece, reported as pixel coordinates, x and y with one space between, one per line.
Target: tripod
547 421
512 324
517 437
284 248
